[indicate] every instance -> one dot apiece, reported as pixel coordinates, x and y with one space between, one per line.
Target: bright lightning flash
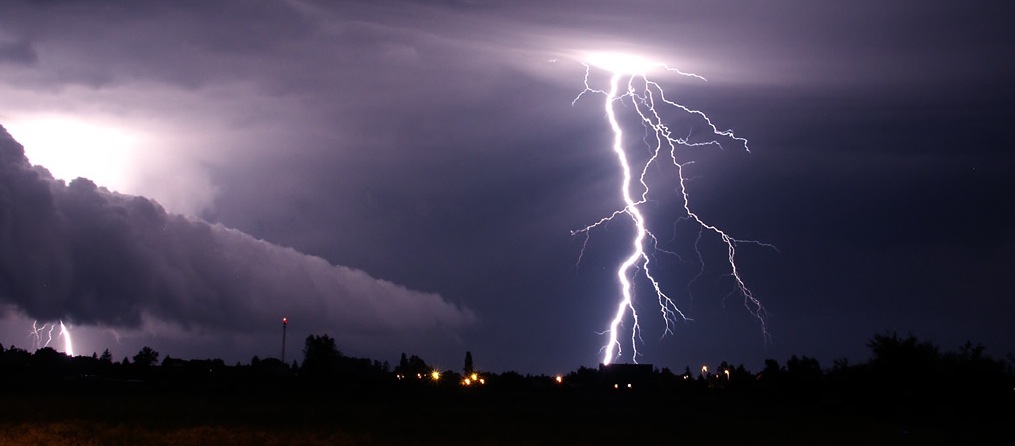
630 87
43 336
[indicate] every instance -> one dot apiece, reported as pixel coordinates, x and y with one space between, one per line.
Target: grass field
453 418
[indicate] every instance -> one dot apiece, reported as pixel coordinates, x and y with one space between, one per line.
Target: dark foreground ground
135 415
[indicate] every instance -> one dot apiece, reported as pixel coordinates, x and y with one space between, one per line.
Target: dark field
134 415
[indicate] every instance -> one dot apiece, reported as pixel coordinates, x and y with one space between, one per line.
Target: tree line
904 369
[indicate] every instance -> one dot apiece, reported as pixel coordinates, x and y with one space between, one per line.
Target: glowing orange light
474 376
559 379
435 375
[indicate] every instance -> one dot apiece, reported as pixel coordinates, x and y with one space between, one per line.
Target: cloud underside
83 254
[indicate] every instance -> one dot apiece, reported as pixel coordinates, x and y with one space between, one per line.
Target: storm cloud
83 254
437 145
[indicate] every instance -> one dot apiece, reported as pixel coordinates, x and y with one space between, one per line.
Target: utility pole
285 323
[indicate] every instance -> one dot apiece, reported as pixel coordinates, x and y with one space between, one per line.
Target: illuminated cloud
435 144
80 253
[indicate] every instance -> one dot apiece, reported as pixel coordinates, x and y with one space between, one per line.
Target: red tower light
285 324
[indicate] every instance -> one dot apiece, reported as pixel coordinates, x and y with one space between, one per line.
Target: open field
431 417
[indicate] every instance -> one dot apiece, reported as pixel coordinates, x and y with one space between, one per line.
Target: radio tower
285 322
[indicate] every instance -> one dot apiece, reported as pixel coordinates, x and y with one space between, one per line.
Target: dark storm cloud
300 46
85 255
434 144
185 44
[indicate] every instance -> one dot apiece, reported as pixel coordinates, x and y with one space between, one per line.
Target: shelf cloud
80 253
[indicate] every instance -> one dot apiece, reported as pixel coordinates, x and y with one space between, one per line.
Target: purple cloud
80 253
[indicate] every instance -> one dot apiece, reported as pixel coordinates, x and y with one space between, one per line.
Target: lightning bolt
646 98
42 336
38 332
68 344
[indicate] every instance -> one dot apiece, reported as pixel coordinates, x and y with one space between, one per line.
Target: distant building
626 376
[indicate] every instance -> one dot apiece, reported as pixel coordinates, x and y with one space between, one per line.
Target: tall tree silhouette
320 356
147 357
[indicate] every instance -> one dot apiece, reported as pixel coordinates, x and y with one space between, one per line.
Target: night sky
406 176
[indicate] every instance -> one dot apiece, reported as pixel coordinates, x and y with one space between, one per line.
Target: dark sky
431 150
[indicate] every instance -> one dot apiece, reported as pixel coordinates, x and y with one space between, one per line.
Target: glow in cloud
70 148
79 253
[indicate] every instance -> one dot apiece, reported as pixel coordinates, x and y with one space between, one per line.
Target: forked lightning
630 86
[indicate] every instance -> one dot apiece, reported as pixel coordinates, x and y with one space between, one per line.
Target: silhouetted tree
468 363
974 375
771 370
802 377
320 356
147 357
902 370
909 355
418 365
803 370
412 367
403 364
840 364
583 377
511 380
270 369
49 363
106 357
15 363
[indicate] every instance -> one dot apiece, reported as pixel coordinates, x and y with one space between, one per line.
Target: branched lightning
646 97
42 336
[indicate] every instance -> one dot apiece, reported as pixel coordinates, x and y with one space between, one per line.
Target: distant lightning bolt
68 344
42 336
38 332
645 96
